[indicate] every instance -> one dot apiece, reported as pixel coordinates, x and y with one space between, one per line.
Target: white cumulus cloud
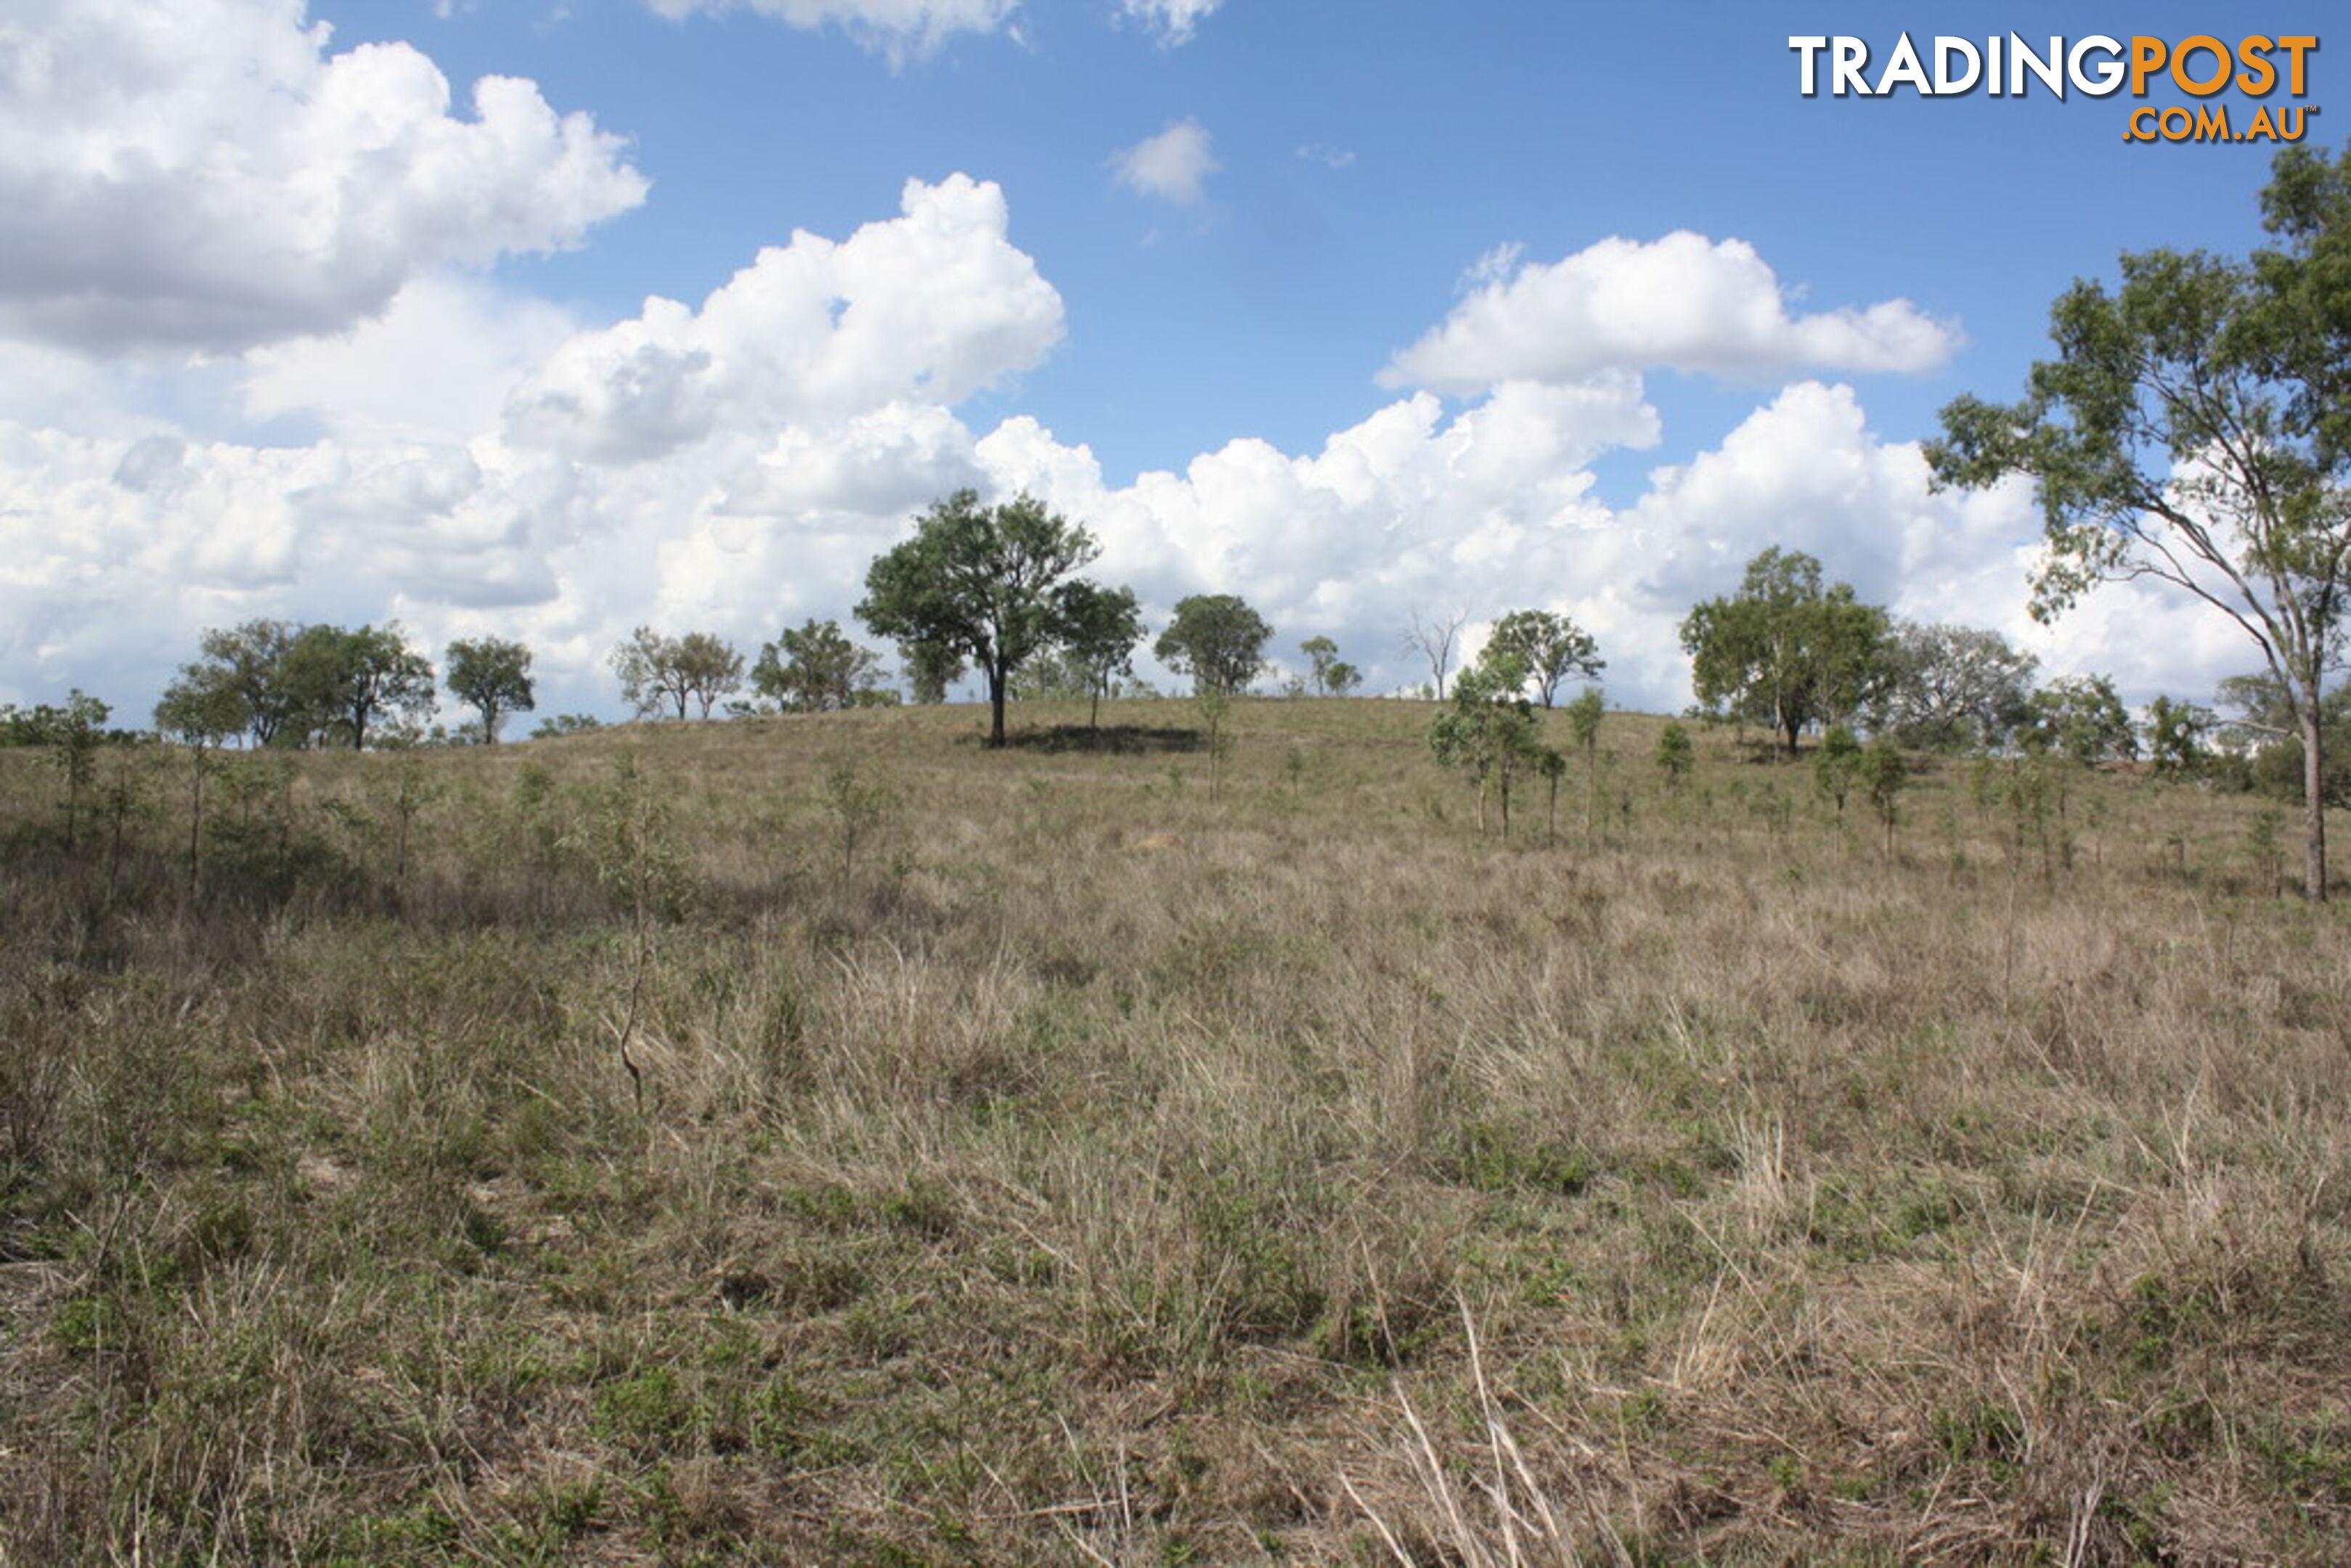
927 306
1171 165
204 174
1683 303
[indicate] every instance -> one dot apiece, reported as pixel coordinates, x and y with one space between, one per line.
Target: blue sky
1356 310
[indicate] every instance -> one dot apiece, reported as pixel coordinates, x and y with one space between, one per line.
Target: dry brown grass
1043 1158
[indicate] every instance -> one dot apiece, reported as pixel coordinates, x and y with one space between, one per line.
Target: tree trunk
995 684
2313 797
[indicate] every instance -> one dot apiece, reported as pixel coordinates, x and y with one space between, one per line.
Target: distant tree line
996 589
993 588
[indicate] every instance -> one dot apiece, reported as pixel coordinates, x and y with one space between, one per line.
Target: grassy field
823 1140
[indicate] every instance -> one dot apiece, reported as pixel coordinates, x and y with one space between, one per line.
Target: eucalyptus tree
815 668
1953 688
2194 432
1332 676
659 672
492 676
991 584
1553 646
1217 639
238 685
348 679
1489 730
1784 650
1098 644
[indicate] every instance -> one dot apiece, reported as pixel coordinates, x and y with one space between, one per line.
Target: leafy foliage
1677 756
658 671
1952 688
2176 736
1886 773
71 734
491 675
816 669
1490 731
345 681
1783 650
2080 718
1552 647
1584 716
1217 639
51 724
2262 717
239 685
1836 764
931 668
290 686
1332 676
1105 625
991 584
2192 431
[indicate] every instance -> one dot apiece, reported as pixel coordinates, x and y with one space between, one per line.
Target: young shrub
1584 716
1836 765
1489 730
1885 775
1675 756
862 805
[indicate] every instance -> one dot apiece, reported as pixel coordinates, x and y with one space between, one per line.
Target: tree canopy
658 671
1097 647
1489 730
292 685
348 679
1952 688
239 684
992 584
931 668
816 669
2193 431
492 676
1552 646
1332 676
1217 639
1783 650
2080 717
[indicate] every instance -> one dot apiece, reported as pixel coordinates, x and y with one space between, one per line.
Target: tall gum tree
2193 431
